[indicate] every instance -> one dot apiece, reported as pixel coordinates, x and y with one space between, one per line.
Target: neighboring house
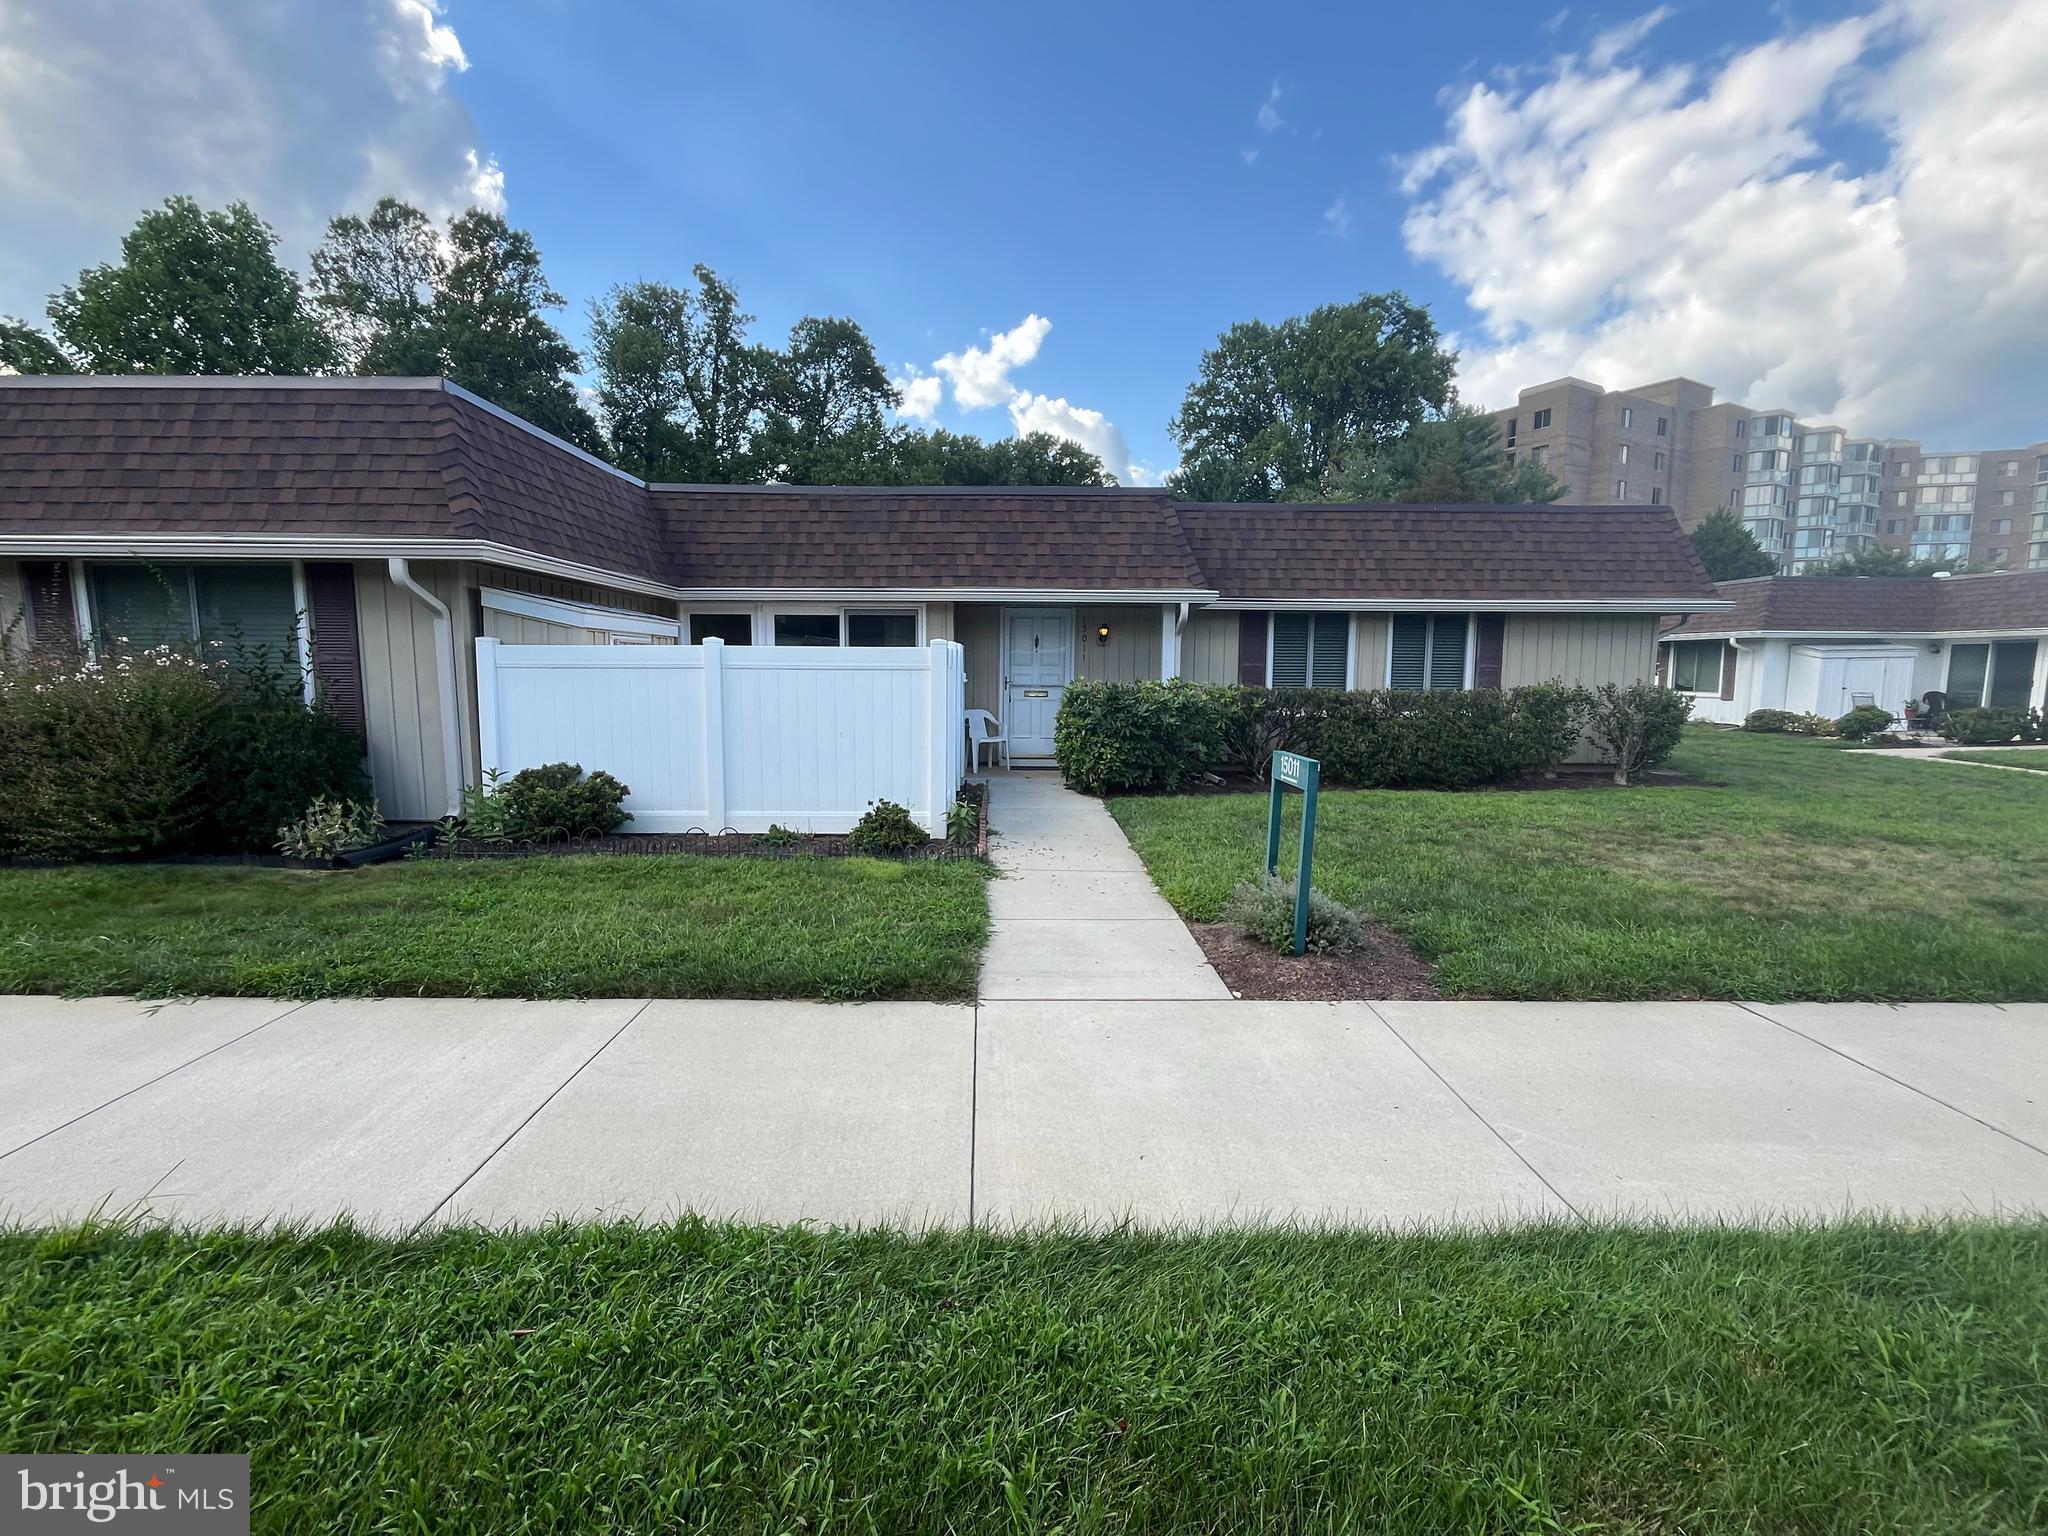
1811 644
405 518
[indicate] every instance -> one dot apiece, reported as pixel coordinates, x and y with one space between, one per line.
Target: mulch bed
1385 969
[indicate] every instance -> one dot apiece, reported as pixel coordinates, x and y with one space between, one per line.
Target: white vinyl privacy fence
742 737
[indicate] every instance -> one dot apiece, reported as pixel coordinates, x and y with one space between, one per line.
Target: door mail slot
1037 693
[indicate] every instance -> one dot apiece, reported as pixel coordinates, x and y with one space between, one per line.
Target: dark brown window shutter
1727 671
335 642
52 613
1492 647
1251 649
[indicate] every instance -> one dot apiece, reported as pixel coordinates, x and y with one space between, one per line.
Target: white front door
1038 663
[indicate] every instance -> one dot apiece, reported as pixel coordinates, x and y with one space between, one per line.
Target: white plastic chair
985 730
1862 700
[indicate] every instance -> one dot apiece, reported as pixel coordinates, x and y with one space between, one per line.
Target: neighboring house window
1429 651
732 628
1540 454
1696 665
1310 650
1660 462
1513 423
2009 468
1967 667
1891 525
2001 525
244 608
1539 421
1735 461
1663 425
2005 498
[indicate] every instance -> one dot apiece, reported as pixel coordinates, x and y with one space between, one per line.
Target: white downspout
444 671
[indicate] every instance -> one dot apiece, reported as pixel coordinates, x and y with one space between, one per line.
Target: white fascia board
555 610
1587 605
282 546
701 596
1845 633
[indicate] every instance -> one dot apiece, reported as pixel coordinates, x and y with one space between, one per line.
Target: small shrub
1863 722
266 756
1264 909
1637 726
1770 720
481 818
1111 737
777 836
1985 727
329 829
886 828
963 822
557 800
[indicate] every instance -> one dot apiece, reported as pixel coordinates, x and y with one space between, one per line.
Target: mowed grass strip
541 927
2033 759
1802 872
1863 1378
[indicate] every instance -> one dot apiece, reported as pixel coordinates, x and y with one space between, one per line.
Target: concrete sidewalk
411 1112
1074 914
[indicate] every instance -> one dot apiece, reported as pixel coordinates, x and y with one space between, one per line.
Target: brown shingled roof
416 458
1866 605
1047 539
1352 550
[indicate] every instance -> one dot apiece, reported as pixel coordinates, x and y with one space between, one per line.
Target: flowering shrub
159 751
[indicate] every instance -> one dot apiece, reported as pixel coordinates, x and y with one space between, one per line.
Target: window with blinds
1428 651
248 609
1310 650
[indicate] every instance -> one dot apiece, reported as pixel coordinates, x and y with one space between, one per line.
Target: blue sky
1731 190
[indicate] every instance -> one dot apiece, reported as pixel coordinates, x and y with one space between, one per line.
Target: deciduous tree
1453 460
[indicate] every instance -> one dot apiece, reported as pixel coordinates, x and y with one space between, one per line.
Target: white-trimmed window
845 626
731 628
1309 650
1696 665
1430 652
244 608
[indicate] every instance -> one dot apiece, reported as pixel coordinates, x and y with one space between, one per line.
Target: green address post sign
1304 774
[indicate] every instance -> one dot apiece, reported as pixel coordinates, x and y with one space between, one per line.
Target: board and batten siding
1130 655
979 629
1208 647
1585 649
401 686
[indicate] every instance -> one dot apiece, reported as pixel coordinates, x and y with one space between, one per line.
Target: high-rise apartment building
1809 491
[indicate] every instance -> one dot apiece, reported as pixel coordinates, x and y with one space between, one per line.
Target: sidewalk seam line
463 1183
168 1072
1513 1150
1880 1071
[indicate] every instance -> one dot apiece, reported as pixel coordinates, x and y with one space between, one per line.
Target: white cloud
1077 424
981 375
917 395
1611 44
1626 222
304 108
1268 116
1248 156
1338 218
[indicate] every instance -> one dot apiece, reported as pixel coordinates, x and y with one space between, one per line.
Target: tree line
1350 402
683 392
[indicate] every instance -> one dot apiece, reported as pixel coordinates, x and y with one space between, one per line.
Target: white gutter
444 673
1656 605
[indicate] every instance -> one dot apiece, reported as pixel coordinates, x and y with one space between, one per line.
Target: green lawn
1853 1379
2032 759
1804 872
543 927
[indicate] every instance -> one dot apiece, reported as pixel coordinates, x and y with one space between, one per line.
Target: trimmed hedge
1992 726
1118 737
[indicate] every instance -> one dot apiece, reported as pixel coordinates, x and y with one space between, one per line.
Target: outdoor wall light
1102 635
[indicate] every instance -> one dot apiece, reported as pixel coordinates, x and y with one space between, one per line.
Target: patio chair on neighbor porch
1933 710
985 730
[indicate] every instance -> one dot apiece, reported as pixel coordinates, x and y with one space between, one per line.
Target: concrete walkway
1925 755
1074 915
407 1113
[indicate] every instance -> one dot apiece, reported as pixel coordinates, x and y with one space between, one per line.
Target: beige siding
1131 653
401 688
1369 633
518 629
938 622
1208 647
978 628
1578 648
13 612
